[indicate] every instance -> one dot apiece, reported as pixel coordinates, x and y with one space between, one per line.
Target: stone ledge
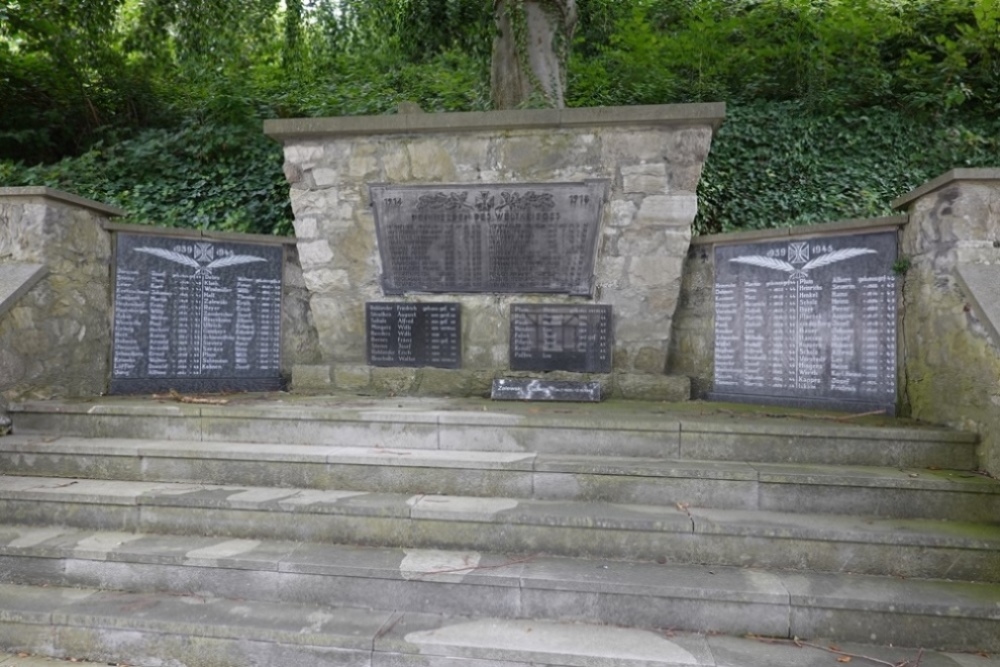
61 197
823 229
494 121
180 232
945 179
982 282
443 382
16 280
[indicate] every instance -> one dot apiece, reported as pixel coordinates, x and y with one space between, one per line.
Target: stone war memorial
493 404
559 209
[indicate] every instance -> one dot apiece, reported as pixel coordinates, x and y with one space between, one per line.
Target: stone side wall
952 370
692 348
652 157
55 339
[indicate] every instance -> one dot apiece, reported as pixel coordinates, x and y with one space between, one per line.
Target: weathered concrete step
854 490
725 652
718 651
676 431
88 622
909 548
469 583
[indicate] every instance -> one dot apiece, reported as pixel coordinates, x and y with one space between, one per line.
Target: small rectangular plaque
414 334
557 337
808 322
488 238
527 389
195 316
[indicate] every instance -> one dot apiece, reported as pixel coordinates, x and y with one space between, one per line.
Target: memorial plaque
556 337
508 238
195 315
414 334
807 322
527 389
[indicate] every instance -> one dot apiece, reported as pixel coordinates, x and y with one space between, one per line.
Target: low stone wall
952 369
54 341
652 158
55 335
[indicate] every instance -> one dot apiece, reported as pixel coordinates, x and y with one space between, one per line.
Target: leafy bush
779 165
200 176
836 106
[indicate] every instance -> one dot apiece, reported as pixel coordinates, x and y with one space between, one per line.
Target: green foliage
203 177
836 106
780 165
923 55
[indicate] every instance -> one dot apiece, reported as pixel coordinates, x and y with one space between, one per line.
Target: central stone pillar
649 160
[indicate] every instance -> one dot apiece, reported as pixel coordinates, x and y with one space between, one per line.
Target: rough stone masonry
652 156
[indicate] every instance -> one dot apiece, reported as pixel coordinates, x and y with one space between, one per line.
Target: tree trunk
529 51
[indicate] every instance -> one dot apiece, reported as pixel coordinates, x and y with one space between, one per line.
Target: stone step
824 489
899 547
699 431
561 644
738 601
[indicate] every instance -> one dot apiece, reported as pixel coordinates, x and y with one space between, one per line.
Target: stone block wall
652 156
55 338
952 369
54 341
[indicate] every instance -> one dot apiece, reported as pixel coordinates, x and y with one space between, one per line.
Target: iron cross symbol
203 252
799 262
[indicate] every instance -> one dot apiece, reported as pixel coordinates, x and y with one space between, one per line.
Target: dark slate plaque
195 315
507 238
414 334
807 322
507 389
556 337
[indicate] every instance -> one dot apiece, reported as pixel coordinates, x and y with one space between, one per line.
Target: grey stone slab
215 617
39 661
53 194
435 123
71 465
959 174
777 652
788 448
939 632
917 596
982 282
180 427
654 490
905 548
288 474
540 643
33 605
817 431
647 467
88 516
559 440
407 564
19 637
935 614
31 571
233 584
894 532
148 647
868 499
16 279
658 596
356 434
654 580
